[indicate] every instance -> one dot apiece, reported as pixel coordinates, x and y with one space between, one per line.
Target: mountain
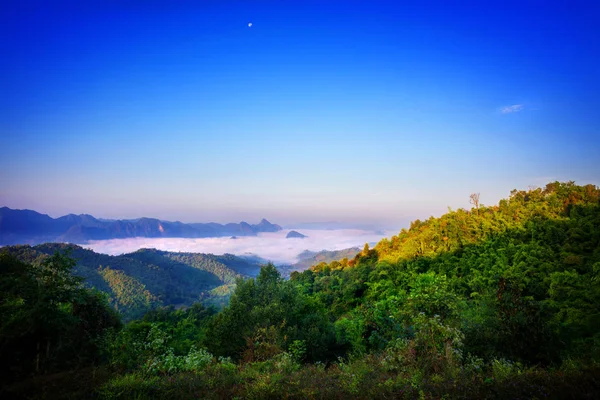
518 279
294 235
266 226
31 227
498 301
310 258
19 225
148 278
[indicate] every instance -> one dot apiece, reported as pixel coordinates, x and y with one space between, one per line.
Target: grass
365 378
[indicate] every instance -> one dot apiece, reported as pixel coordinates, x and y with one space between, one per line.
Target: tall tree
474 199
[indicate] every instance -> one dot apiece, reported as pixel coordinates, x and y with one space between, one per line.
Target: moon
249 24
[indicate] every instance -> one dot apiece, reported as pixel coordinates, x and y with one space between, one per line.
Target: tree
365 251
48 320
268 313
474 199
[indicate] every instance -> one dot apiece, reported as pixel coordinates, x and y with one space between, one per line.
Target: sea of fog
269 246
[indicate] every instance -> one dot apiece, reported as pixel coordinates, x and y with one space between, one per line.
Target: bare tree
474 199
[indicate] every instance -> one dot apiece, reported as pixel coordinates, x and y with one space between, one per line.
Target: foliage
265 316
146 279
48 321
519 279
166 340
493 302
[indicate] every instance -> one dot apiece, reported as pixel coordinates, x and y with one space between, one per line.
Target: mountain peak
266 226
294 235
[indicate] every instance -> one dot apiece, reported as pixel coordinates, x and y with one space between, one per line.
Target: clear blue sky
370 111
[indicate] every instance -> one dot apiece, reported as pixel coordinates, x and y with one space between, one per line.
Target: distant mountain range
31 227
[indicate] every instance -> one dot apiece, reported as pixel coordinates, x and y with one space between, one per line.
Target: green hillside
519 279
148 278
497 302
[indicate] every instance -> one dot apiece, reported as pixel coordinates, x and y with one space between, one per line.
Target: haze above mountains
31 227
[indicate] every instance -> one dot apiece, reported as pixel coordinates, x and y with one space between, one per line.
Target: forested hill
148 278
559 214
520 279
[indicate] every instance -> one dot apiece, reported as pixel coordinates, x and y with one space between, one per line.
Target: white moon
250 25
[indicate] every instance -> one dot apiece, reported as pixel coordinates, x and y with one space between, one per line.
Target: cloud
270 246
511 109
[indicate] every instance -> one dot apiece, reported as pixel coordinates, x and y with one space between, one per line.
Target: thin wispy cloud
511 109
269 246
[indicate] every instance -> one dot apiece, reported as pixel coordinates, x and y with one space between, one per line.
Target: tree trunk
37 358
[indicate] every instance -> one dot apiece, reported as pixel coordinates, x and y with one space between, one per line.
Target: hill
310 258
518 279
294 235
497 301
31 227
148 278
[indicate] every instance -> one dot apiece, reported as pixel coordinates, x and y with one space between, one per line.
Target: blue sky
363 112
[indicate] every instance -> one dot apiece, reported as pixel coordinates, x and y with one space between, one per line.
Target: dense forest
497 301
147 279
